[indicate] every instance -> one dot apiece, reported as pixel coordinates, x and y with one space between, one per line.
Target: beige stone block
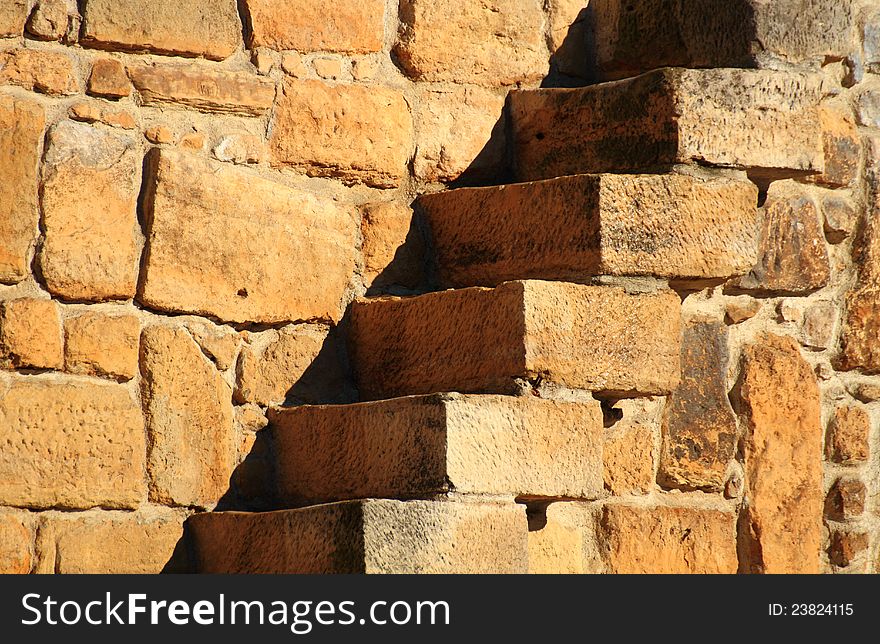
30 334
13 14
394 249
16 543
565 544
108 79
47 72
99 344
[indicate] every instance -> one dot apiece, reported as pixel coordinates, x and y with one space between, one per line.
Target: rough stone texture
49 19
845 500
480 340
783 459
291 258
220 344
99 344
241 149
566 542
491 42
569 31
202 88
818 326
628 456
114 544
846 547
765 121
462 135
100 112
840 215
16 543
30 334
91 181
742 309
13 14
351 26
373 536
699 426
842 144
394 249
793 257
416 447
871 39
848 434
671 225
352 132
108 79
869 107
209 28
631 37
21 129
47 72
70 444
189 414
667 540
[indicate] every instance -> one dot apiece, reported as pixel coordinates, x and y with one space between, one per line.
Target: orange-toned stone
98 344
13 14
848 434
394 249
563 540
108 79
628 454
47 72
16 543
30 334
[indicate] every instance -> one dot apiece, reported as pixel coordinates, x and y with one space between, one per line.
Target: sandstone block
566 542
21 129
91 182
209 28
350 26
70 444
570 31
220 344
189 414
453 41
848 434
628 452
763 121
203 89
421 446
108 79
394 249
49 21
97 344
842 144
373 536
30 334
670 225
352 132
47 72
846 499
16 543
840 217
783 458
291 258
13 14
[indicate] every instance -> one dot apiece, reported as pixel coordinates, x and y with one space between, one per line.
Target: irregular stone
49 20
848 432
840 217
783 459
13 14
869 107
364 69
352 132
569 33
97 344
250 418
566 543
842 145
628 456
70 444
292 64
721 117
291 258
394 249
492 43
218 343
793 258
423 446
47 72
16 543
846 547
373 536
30 334
91 181
240 149
480 340
741 309
585 225
871 40
97 112
699 426
159 134
348 26
845 500
22 124
188 407
818 326
194 141
328 68
667 540
209 28
866 392
108 79
203 89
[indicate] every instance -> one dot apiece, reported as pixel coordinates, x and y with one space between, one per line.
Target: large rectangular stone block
415 447
764 121
483 340
373 536
673 226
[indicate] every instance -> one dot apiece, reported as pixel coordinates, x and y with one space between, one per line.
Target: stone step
370 536
766 122
477 340
673 226
420 446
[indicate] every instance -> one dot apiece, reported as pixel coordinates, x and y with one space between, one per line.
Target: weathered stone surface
871 39
634 37
352 132
108 79
462 134
741 309
566 543
387 537
98 344
667 540
492 43
671 225
220 344
394 249
105 543
100 112
189 414
628 453
49 19
842 144
241 149
70 444
91 181
202 88
30 334
291 258
21 129
16 543
793 257
13 14
783 459
209 28
47 72
480 340
570 29
351 26
846 547
845 500
420 446
699 426
840 217
869 107
848 433
818 326
764 121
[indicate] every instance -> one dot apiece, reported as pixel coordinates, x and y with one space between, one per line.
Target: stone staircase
485 400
